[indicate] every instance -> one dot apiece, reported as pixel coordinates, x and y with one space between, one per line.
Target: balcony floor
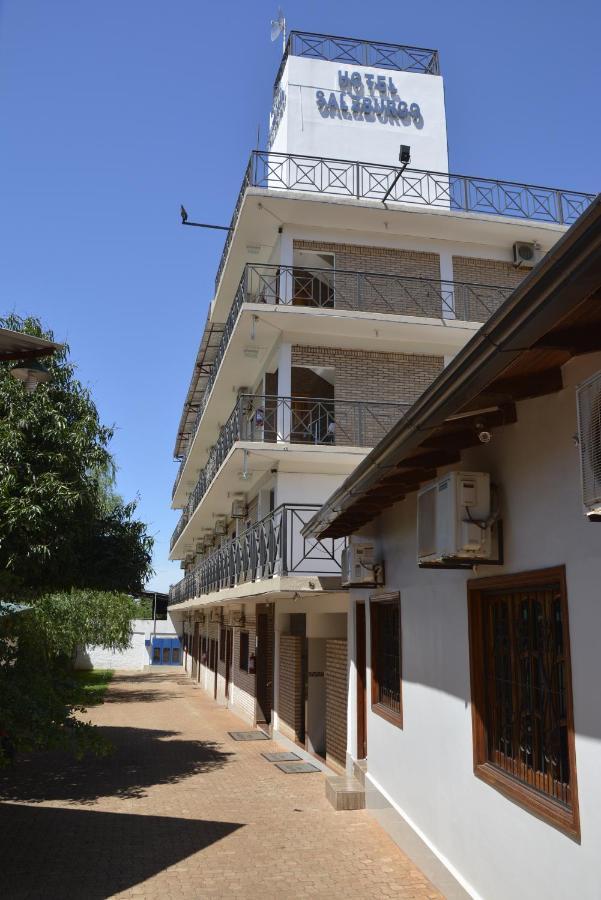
314 327
268 590
261 457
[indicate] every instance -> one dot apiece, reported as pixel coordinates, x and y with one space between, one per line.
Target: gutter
539 301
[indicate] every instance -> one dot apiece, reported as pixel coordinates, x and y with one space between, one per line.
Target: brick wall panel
336 700
377 378
290 686
381 294
482 271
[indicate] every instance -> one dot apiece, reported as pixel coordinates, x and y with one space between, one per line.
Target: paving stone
179 811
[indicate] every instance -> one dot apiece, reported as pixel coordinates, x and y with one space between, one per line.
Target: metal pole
396 178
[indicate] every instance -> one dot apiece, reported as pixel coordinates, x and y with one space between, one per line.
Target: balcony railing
272 546
371 181
352 52
346 289
297 420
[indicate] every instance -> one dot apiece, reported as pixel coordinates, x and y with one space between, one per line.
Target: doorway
229 647
195 651
264 664
361 681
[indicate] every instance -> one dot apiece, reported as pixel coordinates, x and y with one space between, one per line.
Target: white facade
494 847
324 295
325 113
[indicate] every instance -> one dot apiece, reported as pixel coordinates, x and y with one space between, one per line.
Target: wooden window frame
240 666
564 818
376 707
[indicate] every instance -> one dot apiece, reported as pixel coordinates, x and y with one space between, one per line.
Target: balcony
308 421
271 547
339 289
371 181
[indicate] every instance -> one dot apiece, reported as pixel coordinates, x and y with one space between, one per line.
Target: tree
61 525
38 693
71 553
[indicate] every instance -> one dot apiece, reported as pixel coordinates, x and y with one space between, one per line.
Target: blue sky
113 113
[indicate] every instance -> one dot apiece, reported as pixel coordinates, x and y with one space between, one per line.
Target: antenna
278 27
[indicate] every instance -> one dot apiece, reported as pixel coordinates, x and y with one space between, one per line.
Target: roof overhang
554 315
16 345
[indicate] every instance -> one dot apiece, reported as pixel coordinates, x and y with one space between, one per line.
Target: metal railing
349 289
352 52
371 181
296 420
272 546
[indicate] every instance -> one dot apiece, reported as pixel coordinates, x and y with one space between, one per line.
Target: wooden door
195 651
264 667
229 648
213 664
361 682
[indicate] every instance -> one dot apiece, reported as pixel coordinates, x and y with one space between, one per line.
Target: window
522 715
385 621
222 644
244 650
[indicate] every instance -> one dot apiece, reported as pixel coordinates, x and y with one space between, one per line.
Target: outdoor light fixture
404 159
183 213
31 373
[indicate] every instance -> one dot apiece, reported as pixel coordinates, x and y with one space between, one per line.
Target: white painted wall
136 656
305 129
303 487
499 849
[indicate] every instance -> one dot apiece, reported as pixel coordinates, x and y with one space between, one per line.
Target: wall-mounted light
31 373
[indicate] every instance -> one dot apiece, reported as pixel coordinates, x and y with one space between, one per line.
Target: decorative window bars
385 623
522 693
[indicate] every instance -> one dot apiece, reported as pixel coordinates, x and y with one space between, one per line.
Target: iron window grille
386 655
522 693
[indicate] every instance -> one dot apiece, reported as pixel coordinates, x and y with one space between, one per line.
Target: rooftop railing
354 52
371 181
273 546
296 420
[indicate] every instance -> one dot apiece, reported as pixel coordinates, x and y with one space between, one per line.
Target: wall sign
368 96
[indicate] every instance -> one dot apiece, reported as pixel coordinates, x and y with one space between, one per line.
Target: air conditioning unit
359 566
239 509
588 400
454 520
524 254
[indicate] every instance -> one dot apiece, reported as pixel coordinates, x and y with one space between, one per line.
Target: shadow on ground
141 758
56 853
121 691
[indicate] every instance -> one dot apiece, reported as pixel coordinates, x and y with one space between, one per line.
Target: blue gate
165 651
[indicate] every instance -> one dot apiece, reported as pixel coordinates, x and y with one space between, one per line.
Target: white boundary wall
137 654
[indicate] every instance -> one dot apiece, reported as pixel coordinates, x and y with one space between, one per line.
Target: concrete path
180 810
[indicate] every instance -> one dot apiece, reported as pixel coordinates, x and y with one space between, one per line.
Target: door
229 648
361 681
195 653
213 665
264 666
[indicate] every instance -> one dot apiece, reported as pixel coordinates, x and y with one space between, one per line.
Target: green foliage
61 524
70 548
145 608
91 685
40 698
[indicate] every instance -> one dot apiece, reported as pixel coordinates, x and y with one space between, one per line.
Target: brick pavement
180 810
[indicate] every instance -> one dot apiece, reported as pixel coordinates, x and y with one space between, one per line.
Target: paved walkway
182 811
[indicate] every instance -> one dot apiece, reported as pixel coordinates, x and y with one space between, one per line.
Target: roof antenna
278 27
